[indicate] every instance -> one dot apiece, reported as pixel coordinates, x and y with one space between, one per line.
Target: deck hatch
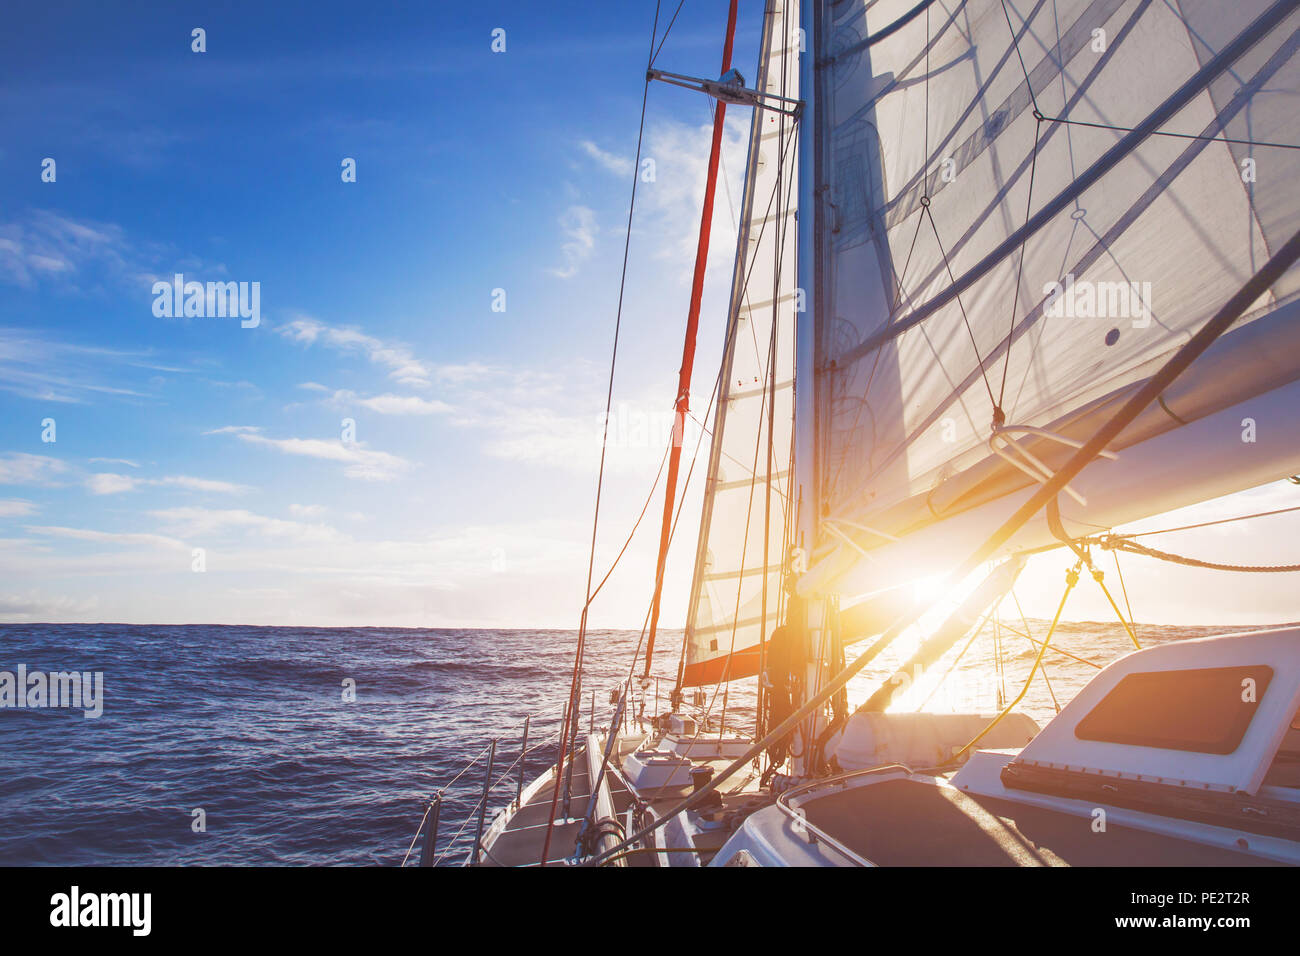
1203 710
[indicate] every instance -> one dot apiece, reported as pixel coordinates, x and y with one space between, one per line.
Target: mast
682 405
805 498
806 317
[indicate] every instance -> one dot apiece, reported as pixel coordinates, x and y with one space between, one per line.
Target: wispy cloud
16 507
35 606
672 203
47 245
122 538
578 229
37 367
20 468
619 165
402 365
192 523
82 255
108 483
361 462
390 404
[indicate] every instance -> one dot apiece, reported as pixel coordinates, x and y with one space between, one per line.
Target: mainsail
737 588
1028 206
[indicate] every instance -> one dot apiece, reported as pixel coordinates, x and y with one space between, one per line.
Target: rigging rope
1161 132
600 776
575 679
925 209
1209 524
1115 543
925 206
632 533
1071 579
654 56
1032 643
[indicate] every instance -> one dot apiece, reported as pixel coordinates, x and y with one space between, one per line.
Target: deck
521 840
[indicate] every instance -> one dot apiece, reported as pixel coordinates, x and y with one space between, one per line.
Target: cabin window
1206 710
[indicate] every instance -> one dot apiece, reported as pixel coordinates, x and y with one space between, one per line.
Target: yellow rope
1071 579
1097 576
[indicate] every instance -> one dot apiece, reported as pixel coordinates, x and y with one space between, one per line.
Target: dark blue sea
250 726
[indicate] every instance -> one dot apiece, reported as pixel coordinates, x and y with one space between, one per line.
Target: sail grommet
925 202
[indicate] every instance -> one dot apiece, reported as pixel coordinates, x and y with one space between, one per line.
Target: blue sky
466 497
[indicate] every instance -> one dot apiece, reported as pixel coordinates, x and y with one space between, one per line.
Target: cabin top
1209 714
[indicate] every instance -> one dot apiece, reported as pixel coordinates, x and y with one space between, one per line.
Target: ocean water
249 725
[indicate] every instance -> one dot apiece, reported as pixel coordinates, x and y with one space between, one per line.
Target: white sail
934 131
741 526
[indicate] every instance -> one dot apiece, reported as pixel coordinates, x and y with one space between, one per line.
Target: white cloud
619 165
20 468
578 227
541 418
194 523
466 372
361 462
49 370
202 484
52 371
48 244
15 507
107 483
34 605
391 404
107 537
402 365
672 207
293 573
84 255
110 484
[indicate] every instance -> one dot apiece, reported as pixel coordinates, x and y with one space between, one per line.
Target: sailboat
1009 275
